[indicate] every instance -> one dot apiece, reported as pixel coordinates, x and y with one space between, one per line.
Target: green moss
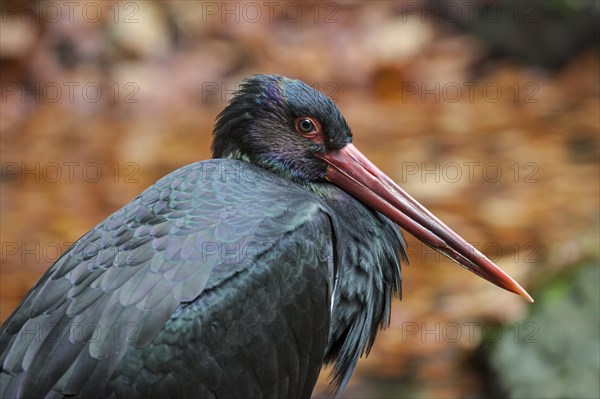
555 352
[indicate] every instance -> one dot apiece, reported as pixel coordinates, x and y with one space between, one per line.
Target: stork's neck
368 248
238 155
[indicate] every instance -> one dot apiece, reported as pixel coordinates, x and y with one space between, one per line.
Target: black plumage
233 277
216 281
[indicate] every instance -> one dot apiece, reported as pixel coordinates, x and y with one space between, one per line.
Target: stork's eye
306 125
309 128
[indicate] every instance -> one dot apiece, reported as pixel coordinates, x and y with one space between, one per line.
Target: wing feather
149 295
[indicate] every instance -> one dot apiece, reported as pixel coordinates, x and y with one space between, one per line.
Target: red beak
350 170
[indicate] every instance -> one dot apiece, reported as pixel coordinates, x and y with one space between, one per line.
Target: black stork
233 277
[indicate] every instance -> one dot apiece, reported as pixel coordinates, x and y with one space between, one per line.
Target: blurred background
485 111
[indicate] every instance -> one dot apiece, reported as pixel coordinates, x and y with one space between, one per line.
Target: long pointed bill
350 170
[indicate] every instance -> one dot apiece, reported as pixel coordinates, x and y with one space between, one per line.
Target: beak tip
521 291
528 298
